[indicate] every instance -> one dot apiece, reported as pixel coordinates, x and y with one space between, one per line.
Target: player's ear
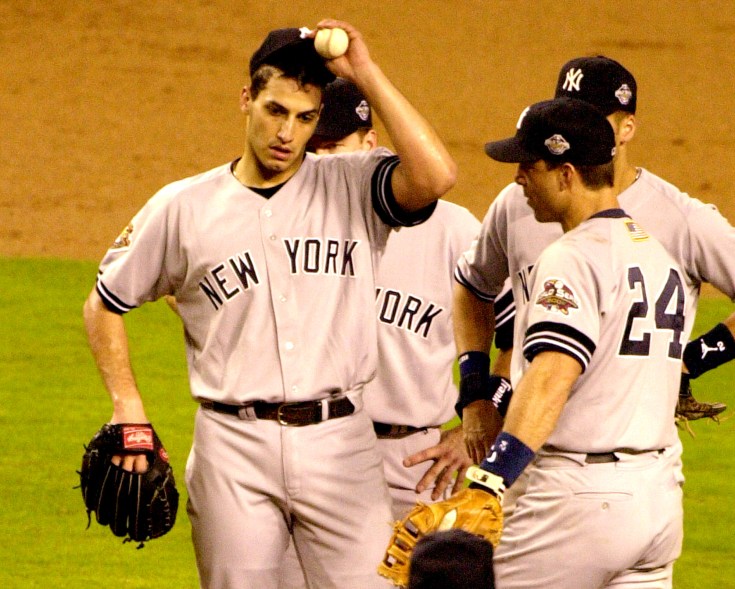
627 129
245 98
624 125
370 141
566 176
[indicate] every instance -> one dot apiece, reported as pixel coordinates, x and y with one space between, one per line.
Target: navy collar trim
610 214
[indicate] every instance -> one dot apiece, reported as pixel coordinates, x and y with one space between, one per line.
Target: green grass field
52 401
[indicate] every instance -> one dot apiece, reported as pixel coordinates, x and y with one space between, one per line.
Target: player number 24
668 314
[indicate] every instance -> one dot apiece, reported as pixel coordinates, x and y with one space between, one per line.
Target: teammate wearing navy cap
602 321
271 261
510 241
413 392
346 124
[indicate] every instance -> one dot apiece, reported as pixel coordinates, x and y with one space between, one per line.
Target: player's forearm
540 397
501 366
109 344
427 171
474 321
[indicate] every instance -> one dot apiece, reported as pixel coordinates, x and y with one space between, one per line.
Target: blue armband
508 458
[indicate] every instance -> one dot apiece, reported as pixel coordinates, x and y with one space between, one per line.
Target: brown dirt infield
105 102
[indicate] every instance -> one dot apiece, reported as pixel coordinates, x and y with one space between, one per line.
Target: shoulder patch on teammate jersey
635 231
123 240
557 297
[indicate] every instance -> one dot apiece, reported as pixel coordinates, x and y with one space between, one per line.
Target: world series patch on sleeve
136 506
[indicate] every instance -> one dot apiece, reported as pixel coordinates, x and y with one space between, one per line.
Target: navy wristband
474 379
473 363
709 351
508 458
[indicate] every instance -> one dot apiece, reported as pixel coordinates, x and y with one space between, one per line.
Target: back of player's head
452 559
598 80
291 52
558 131
345 111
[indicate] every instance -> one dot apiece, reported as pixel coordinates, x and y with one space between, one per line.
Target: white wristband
492 482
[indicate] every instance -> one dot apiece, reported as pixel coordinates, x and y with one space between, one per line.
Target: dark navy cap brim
509 151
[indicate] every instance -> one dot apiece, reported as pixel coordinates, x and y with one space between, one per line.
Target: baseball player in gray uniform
603 319
413 392
510 241
271 261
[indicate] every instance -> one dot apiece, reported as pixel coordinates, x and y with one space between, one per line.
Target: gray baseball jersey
611 297
277 297
414 382
273 293
698 237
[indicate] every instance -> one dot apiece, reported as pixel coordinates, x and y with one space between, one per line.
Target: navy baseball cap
452 559
345 111
598 80
558 131
290 45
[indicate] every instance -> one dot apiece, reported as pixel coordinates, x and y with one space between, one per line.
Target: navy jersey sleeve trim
505 313
459 277
112 302
557 337
384 201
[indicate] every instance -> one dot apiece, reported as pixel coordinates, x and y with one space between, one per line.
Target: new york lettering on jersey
306 255
406 311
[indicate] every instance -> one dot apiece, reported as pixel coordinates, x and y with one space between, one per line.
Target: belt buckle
281 415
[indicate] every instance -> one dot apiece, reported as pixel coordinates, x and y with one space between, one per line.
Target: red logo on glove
137 437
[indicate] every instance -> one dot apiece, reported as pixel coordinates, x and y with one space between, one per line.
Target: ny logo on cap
556 144
574 77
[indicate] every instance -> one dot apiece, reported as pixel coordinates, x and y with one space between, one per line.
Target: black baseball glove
136 506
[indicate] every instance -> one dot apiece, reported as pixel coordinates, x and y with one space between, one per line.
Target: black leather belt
601 457
389 430
293 414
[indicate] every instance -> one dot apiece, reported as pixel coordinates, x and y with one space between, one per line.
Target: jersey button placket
286 325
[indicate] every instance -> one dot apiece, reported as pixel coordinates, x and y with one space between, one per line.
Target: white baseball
331 43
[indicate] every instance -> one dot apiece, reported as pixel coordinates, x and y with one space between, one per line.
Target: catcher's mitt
136 506
472 509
